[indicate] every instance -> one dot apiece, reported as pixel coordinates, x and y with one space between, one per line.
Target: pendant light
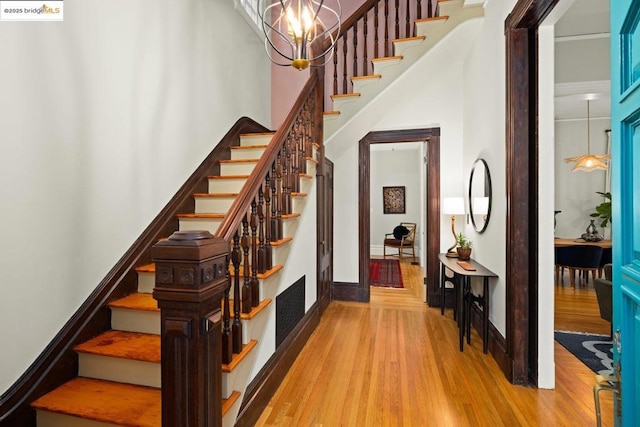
589 162
295 30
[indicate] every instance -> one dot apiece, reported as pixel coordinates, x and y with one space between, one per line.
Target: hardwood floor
395 361
576 309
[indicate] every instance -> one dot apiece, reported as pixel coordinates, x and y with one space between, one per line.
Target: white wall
412 101
575 192
484 137
103 117
395 165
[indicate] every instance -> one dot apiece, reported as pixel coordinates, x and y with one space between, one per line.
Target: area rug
595 351
385 273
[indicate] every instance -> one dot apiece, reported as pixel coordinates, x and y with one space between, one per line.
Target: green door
625 186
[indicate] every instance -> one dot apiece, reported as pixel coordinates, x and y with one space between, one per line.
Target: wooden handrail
242 203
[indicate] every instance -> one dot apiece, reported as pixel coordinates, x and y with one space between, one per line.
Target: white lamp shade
453 206
480 205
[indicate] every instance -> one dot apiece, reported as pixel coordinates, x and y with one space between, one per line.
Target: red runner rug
385 273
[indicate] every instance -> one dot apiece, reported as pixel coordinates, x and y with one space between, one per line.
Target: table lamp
453 206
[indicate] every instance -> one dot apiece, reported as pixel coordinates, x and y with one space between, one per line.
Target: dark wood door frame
432 136
521 33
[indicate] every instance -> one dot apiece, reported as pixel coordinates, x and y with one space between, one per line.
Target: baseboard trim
346 291
497 343
265 384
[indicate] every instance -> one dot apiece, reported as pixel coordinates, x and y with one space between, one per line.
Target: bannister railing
255 219
369 34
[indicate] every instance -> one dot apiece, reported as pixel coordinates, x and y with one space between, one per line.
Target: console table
464 296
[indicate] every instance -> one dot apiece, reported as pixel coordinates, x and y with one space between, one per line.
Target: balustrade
358 37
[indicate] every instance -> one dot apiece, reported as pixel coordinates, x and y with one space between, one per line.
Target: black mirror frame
487 177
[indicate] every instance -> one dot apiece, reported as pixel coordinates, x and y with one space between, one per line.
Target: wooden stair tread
312 160
306 176
147 268
105 401
368 77
237 358
345 95
240 161
258 133
214 195
387 58
406 39
137 301
281 241
292 215
297 194
260 276
228 177
228 403
331 113
247 147
254 311
125 345
435 18
202 215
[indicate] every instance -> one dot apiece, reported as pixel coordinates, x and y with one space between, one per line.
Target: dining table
559 242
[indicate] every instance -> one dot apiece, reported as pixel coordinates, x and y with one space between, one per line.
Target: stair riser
380 66
254 329
339 103
247 153
267 289
255 139
360 84
226 185
237 379
449 7
146 282
146 322
209 224
401 47
52 419
428 28
243 168
119 370
213 204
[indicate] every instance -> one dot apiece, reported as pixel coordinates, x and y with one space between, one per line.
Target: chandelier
589 162
295 31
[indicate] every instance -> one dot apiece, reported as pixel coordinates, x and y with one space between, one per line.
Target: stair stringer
437 34
298 260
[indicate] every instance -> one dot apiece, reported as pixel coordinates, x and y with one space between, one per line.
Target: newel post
191 269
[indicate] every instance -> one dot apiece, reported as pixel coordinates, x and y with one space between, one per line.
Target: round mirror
480 195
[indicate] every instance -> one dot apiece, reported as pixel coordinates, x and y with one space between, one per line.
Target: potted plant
464 247
603 210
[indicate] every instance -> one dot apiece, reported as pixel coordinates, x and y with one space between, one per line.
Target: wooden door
625 191
325 234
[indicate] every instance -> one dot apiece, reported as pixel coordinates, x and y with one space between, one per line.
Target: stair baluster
397 36
268 260
354 71
261 247
286 178
255 285
386 28
236 329
227 344
277 233
375 31
407 31
246 287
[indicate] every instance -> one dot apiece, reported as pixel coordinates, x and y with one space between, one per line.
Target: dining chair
583 258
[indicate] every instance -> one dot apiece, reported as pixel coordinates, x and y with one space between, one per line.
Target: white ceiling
584 21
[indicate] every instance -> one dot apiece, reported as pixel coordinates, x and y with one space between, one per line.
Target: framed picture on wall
393 200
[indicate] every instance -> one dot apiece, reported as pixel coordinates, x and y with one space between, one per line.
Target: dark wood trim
432 136
58 362
265 384
497 343
345 291
522 187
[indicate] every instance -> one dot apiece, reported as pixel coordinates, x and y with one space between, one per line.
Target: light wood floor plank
395 362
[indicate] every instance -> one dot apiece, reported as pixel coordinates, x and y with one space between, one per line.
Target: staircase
119 371
405 52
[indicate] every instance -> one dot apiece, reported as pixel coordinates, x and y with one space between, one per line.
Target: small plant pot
463 253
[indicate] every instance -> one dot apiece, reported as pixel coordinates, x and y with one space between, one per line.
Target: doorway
432 138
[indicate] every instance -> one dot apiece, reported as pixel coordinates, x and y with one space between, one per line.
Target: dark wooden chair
604 293
403 243
582 258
